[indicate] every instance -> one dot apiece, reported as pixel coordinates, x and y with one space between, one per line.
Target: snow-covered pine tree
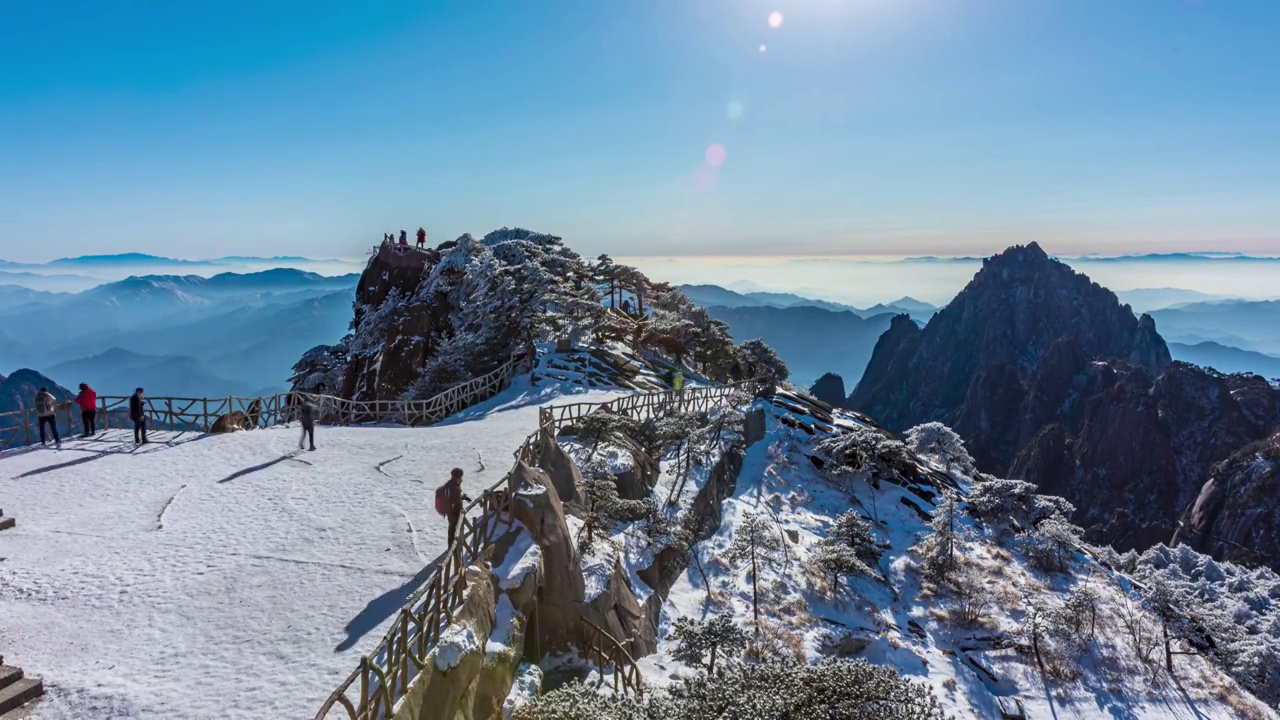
756 543
835 560
763 359
935 440
700 644
939 549
1049 544
602 509
854 531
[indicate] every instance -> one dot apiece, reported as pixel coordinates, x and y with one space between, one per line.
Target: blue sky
865 127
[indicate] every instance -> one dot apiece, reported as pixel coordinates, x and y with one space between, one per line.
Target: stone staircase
16 690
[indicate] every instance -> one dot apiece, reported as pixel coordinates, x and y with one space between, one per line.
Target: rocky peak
1050 378
829 389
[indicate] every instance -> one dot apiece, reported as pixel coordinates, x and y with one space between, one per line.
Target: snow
903 622
229 575
455 643
523 558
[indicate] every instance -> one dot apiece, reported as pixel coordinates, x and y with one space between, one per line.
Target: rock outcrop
1049 378
1236 516
829 389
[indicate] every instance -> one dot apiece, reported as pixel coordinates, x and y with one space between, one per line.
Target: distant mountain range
177 334
710 295
1246 324
130 259
1227 359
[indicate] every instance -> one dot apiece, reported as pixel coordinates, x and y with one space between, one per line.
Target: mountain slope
118 372
1256 322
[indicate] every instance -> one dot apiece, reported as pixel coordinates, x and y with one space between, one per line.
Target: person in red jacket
88 402
422 237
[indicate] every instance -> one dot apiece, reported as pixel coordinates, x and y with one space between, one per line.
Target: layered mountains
1049 378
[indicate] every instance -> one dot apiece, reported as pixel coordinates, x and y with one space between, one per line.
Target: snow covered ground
906 626
229 576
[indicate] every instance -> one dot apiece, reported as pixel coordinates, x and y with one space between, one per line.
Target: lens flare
775 19
714 155
735 110
763 48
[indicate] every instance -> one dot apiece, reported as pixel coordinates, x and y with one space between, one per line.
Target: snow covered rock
1236 516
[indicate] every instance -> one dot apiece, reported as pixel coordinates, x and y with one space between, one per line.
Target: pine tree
758 544
938 441
939 548
701 643
836 560
854 531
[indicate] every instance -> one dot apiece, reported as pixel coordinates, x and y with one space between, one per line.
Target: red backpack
442 499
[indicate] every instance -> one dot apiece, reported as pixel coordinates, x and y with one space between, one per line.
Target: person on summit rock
46 407
449 499
139 417
88 402
422 238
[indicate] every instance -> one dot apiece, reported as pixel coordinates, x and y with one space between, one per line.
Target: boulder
231 422
637 482
559 468
617 611
538 507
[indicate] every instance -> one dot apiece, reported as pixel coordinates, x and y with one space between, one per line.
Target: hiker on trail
422 238
404 239
138 416
626 305
88 402
46 406
677 381
449 499
307 415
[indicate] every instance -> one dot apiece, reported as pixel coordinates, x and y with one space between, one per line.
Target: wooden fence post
26 424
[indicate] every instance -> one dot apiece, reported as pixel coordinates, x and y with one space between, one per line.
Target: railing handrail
184 413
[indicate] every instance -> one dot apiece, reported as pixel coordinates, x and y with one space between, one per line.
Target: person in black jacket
138 416
307 415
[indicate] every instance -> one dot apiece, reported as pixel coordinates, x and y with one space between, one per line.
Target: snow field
229 576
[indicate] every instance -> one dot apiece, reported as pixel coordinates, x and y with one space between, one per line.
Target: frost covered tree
1050 544
602 509
700 644
853 530
935 440
830 690
835 560
762 359
940 546
757 544
1014 504
320 369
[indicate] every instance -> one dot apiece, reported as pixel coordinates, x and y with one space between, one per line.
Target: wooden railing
177 414
604 651
382 677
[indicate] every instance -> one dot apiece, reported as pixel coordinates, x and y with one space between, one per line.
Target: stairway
16 690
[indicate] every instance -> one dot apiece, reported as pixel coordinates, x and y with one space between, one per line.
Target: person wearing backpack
46 407
449 499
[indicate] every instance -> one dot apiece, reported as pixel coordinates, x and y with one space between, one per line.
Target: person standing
88 402
422 238
46 409
307 415
449 499
138 416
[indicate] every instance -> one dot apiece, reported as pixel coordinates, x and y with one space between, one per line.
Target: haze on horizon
717 128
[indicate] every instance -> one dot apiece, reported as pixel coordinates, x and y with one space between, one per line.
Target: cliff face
829 389
1049 378
1236 516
